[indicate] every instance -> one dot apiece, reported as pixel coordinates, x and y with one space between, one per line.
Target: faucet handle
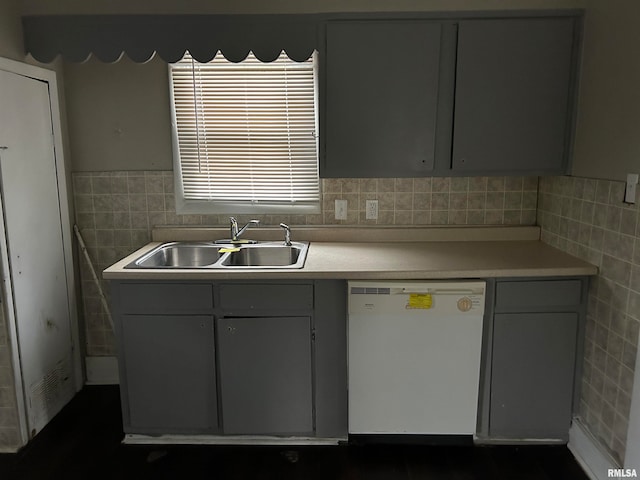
233 228
287 234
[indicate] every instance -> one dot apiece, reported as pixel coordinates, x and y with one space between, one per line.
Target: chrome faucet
287 234
235 232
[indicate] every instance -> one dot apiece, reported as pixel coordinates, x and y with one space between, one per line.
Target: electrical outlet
371 209
341 209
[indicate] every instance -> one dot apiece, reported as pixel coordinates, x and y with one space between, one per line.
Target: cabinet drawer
266 296
165 297
537 295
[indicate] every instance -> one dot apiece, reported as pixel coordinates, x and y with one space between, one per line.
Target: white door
34 247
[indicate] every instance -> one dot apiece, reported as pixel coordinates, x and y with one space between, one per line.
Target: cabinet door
513 91
170 384
532 375
265 375
381 98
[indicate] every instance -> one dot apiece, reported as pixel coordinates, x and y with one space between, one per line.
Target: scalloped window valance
107 37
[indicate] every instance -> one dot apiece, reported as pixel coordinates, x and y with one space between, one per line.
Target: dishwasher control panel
423 297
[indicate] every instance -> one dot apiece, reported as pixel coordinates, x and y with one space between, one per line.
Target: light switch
630 190
341 209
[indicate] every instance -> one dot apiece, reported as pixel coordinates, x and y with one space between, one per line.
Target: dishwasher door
414 357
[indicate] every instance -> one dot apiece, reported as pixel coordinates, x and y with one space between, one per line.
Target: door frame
49 77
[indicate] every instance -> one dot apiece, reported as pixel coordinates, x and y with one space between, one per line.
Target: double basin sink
267 255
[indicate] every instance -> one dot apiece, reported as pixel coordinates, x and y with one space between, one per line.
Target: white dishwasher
414 356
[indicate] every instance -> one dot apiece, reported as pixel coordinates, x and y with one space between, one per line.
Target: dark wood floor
83 442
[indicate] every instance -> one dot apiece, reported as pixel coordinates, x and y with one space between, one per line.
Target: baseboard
138 439
5 449
102 371
589 454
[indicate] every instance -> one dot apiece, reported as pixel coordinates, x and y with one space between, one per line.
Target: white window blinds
245 136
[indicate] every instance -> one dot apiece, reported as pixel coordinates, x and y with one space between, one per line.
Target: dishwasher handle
438 291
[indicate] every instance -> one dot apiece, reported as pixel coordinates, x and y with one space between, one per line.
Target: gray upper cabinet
513 96
425 97
381 88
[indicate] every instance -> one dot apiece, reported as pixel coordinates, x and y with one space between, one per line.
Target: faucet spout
287 234
235 231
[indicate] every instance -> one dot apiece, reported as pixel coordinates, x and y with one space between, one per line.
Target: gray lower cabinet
168 362
514 95
532 376
233 357
269 357
534 351
266 382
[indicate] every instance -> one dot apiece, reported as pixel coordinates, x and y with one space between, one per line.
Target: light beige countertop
467 253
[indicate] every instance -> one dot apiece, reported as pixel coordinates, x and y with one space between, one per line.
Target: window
245 136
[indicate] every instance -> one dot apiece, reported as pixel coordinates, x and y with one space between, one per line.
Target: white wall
11 44
608 129
118 115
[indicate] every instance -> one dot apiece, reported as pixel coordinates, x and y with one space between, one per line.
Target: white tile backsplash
587 218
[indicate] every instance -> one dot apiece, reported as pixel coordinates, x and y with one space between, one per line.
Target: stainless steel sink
267 255
179 255
264 255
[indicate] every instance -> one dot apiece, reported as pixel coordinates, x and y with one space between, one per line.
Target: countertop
393 260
